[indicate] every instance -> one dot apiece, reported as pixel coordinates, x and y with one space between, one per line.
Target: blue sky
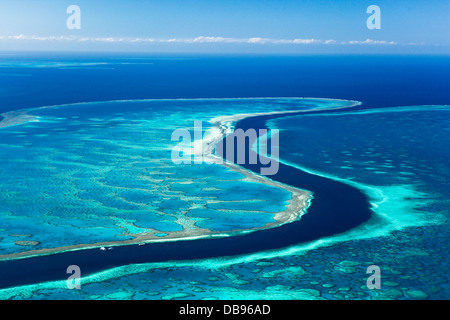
289 26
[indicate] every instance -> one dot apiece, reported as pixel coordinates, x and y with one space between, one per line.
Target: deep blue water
377 81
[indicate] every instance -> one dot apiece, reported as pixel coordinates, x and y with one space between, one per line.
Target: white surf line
13 118
21 116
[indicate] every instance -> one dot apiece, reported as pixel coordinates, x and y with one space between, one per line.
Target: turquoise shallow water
397 156
102 172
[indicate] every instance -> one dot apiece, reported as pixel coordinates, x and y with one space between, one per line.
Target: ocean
41 79
86 163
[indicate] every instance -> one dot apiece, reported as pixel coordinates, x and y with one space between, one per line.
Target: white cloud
200 39
258 40
203 39
370 41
